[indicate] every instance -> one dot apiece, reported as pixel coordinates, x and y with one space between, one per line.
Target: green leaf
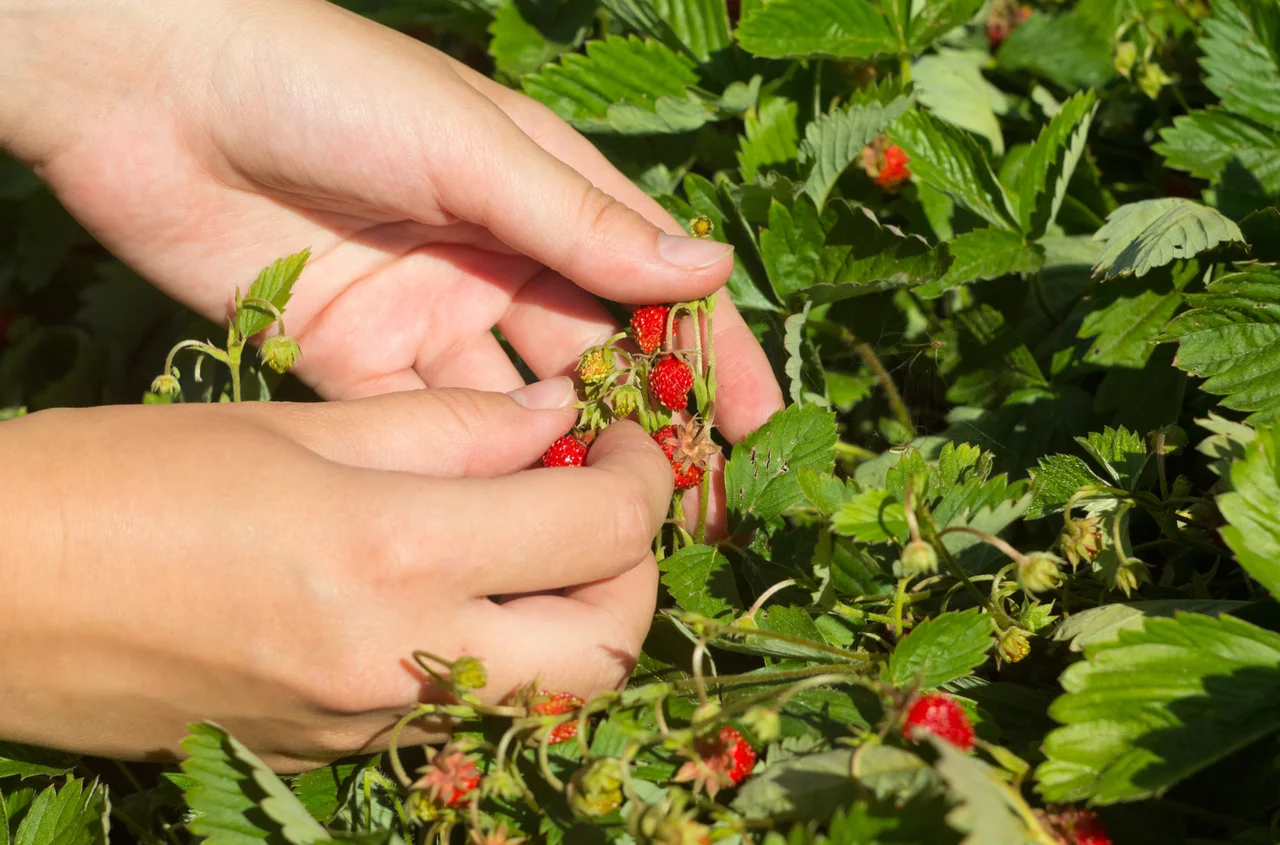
624 85
1252 509
1144 235
1103 624
1241 44
843 253
1155 705
760 476
835 140
985 254
66 815
521 44
238 800
950 161
891 773
986 809
938 17
320 789
701 25
1056 480
951 85
1049 165
1127 320
1231 338
1204 142
770 137
1227 442
27 761
871 516
1120 452
642 16
843 29
808 787
275 285
941 649
1069 50
700 580
793 342
1262 230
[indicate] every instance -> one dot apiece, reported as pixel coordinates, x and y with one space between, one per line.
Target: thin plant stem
868 356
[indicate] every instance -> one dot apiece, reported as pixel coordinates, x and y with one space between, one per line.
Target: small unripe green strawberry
1039 571
1128 574
765 723
670 381
596 789
468 673
166 385
649 327
595 366
1014 645
625 400
919 558
1081 540
280 352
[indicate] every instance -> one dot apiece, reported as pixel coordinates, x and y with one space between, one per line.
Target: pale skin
272 567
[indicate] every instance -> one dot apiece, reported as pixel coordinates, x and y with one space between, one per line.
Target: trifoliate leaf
951 161
1051 162
26 761
521 45
1158 704
238 800
1231 337
1252 509
275 285
1144 235
1121 453
941 649
770 137
843 253
835 140
1241 45
808 787
701 25
760 479
1103 624
700 580
985 254
624 85
843 29
870 516
1204 142
70 814
951 85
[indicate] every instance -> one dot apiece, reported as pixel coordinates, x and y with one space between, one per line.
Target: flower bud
596 789
1039 571
1128 574
468 673
1014 645
766 724
1081 540
280 352
166 385
595 366
919 558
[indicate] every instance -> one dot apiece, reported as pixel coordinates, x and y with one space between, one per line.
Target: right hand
272 567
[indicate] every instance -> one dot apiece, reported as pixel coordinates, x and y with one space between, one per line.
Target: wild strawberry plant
1004 571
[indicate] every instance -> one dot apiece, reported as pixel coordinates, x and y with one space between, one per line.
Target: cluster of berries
667 379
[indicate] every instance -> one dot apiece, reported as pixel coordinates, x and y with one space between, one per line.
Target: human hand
197 139
264 565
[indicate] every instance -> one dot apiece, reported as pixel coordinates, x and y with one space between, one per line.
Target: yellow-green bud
766 724
1129 573
1014 645
625 400
469 673
595 366
501 784
166 385
1081 540
1039 571
280 352
596 789
919 558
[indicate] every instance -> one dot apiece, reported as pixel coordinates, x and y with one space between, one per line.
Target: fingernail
546 395
691 253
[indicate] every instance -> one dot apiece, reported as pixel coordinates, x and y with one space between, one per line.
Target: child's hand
272 567
200 138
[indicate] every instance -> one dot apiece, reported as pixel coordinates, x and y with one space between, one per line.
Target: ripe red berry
941 716
740 757
568 451
670 381
894 171
726 761
447 781
688 473
557 704
1074 826
649 327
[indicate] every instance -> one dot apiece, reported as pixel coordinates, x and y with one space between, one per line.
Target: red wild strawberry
557 704
941 716
670 381
447 781
725 762
894 171
1074 826
688 449
649 327
568 451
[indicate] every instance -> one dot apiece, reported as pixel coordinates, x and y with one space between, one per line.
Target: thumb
545 209
443 433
